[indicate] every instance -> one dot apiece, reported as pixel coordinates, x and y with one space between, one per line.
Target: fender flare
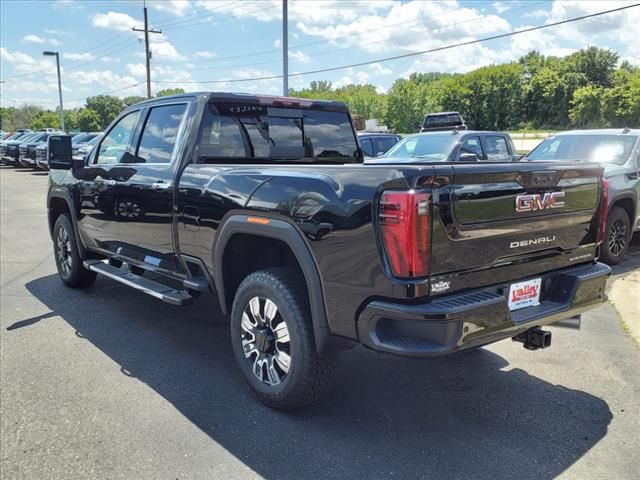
66 196
284 231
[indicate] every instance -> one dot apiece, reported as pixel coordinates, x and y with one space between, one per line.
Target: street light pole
49 54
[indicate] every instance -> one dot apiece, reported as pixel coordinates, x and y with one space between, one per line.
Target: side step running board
150 287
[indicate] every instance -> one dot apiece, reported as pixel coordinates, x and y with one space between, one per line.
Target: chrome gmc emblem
535 201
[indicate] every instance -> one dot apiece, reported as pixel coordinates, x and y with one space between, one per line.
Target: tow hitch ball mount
534 338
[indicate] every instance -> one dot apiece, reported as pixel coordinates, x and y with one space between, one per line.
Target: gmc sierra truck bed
265 202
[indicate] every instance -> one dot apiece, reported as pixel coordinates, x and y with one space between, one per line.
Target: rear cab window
496 148
257 133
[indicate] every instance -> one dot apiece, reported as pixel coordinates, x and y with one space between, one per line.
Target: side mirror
380 154
517 157
468 157
60 152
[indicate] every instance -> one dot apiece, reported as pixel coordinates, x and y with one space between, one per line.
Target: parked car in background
619 152
85 148
437 122
27 150
451 146
82 140
4 143
374 144
10 149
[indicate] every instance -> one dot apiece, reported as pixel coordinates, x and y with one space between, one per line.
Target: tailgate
492 215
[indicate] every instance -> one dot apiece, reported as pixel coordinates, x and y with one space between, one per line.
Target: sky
229 43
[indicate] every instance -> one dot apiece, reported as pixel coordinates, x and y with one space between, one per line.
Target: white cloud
106 78
299 56
536 14
500 7
33 39
162 49
54 31
277 43
26 64
114 20
204 54
175 7
54 42
379 70
77 56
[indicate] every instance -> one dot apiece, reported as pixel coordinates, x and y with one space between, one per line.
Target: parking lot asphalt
110 383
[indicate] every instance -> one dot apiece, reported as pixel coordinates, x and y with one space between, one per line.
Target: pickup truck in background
266 202
441 121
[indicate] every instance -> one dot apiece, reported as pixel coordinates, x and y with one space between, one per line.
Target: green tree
107 108
586 107
133 99
596 64
169 91
46 120
89 120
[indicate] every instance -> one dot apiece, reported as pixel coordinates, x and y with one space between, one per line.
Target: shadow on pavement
461 416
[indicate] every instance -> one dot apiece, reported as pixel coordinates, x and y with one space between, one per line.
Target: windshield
430 147
79 138
586 148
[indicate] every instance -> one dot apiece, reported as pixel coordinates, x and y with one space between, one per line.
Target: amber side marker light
260 220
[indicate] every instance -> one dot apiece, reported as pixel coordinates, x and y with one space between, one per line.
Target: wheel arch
628 203
273 233
58 202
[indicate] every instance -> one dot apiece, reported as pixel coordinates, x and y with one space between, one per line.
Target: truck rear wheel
273 342
67 256
617 235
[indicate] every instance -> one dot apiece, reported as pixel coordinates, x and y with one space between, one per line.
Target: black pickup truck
265 202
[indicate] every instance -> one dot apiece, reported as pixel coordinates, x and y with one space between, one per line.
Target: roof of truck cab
228 97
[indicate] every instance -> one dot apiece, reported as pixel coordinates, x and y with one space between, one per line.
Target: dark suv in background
374 144
618 150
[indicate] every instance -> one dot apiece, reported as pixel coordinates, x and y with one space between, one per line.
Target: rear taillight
604 211
405 226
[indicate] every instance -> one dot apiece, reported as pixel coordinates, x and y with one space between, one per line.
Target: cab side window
497 148
159 134
472 145
116 143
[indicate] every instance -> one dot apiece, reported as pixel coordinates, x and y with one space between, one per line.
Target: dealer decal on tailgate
525 294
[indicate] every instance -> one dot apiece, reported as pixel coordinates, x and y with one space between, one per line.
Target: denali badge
535 201
532 241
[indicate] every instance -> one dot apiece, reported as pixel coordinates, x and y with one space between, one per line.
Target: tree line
590 88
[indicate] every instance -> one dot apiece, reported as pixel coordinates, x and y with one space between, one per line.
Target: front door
96 184
144 200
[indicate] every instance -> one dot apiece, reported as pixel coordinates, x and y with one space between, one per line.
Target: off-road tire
309 374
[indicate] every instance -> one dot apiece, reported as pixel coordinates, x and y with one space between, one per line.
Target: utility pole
285 49
146 47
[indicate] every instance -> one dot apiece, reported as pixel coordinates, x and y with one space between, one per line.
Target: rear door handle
109 182
161 186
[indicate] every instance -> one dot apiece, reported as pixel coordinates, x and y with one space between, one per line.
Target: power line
392 25
414 54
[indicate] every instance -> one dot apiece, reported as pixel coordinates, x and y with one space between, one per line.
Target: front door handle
161 186
109 182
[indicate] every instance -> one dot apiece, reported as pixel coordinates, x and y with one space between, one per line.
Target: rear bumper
457 322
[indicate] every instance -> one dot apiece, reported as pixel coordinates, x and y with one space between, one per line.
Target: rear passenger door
144 197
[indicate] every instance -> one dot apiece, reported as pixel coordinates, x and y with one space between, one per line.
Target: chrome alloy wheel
265 341
617 237
63 251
